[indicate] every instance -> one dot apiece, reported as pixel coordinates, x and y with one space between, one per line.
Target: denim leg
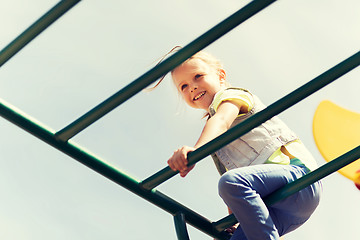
242 190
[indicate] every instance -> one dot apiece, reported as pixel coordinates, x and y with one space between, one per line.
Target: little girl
254 165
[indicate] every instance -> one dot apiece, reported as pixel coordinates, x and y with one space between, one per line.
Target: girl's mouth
197 97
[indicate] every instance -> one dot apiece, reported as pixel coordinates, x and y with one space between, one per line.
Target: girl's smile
198 82
199 96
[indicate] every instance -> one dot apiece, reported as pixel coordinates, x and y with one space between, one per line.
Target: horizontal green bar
255 120
35 29
299 184
162 68
98 165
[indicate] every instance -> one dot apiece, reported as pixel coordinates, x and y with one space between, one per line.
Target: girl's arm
220 122
215 126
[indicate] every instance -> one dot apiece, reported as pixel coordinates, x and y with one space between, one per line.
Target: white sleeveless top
256 146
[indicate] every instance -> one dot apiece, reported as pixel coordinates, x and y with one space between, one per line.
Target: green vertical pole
35 29
255 120
164 67
180 227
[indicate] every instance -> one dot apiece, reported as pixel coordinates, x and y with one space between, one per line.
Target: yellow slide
336 131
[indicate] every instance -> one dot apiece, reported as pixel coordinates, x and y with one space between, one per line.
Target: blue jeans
242 190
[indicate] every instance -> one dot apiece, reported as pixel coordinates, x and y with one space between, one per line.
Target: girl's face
198 82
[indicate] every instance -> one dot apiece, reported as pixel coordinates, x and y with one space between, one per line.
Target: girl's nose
193 89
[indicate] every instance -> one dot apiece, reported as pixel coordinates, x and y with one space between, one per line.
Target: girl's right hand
178 161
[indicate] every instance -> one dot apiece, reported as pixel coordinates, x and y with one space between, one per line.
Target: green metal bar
157 198
255 120
162 68
299 184
180 227
35 29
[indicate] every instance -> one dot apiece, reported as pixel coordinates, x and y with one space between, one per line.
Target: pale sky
99 47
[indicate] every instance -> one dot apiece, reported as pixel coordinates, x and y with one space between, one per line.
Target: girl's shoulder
236 89
231 92
235 94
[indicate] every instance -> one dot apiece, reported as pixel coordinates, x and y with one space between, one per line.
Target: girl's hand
178 161
232 229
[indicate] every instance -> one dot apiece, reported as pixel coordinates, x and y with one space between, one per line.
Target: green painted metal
180 227
164 67
90 160
254 121
145 189
299 184
35 29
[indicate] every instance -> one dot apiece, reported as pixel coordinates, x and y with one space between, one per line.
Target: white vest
256 146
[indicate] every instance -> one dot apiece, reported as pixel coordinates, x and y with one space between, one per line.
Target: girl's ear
222 76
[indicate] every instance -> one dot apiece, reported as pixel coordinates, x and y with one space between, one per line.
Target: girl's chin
201 104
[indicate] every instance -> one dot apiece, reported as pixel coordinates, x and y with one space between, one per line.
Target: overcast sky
99 47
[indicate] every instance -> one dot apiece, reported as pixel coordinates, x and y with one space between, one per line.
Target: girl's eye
198 76
183 87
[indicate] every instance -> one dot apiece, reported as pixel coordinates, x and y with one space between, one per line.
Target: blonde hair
201 55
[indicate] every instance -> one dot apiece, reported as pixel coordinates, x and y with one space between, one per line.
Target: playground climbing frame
146 188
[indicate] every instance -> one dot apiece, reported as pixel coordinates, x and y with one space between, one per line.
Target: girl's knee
231 184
